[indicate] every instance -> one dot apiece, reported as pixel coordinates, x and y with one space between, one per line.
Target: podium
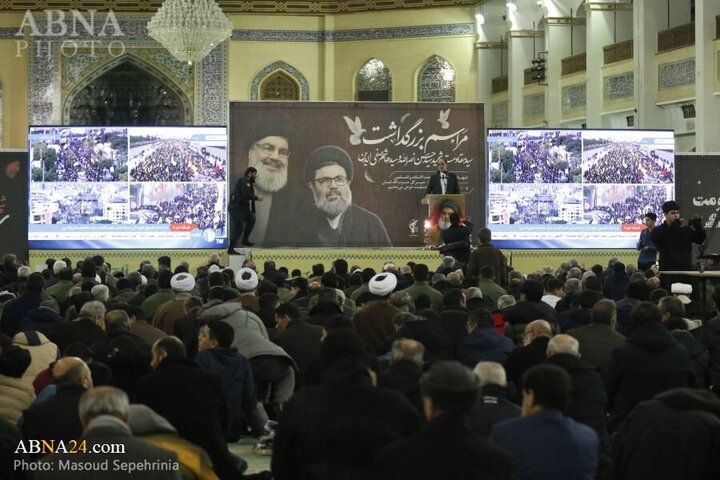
703 276
441 206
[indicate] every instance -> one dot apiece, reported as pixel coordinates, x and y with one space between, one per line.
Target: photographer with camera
674 239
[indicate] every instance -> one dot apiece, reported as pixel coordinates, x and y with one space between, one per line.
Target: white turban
246 279
383 284
182 282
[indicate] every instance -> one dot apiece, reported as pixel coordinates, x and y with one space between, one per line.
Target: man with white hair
104 413
587 405
101 293
56 267
405 370
493 405
59 291
535 339
88 328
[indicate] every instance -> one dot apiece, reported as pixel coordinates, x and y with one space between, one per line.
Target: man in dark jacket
599 339
487 254
616 284
674 241
405 370
15 310
333 430
446 447
298 338
241 209
216 354
650 362
44 319
674 436
529 308
482 343
533 352
588 399
454 315
493 404
192 400
56 418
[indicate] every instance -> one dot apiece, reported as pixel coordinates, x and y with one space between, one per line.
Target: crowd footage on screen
168 160
626 163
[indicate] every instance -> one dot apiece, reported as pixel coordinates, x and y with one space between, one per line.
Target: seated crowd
406 373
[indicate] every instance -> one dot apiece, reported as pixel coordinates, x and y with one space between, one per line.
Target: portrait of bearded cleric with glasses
332 220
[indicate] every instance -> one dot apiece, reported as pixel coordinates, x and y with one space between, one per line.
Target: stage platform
303 258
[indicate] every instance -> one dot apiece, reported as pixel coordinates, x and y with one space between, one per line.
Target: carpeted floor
256 463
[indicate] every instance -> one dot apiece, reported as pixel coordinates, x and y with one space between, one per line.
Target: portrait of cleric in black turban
439 218
330 218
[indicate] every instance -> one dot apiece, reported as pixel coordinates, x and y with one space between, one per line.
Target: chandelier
189 29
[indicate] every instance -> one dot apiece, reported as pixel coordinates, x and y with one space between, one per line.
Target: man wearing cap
335 221
374 322
445 447
182 285
268 150
442 182
674 241
242 209
647 249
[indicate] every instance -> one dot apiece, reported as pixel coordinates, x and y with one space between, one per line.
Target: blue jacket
483 344
649 255
549 446
237 379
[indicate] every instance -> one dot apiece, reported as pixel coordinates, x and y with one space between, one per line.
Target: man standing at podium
674 239
442 182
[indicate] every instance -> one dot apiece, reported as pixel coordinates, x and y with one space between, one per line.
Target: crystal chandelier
189 29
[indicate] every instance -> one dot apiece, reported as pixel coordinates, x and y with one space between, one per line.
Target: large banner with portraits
354 174
698 192
13 203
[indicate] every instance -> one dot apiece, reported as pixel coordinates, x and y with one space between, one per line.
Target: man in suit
442 182
545 444
104 412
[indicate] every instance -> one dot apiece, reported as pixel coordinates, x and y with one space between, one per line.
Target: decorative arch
436 81
285 68
155 100
160 97
373 82
279 86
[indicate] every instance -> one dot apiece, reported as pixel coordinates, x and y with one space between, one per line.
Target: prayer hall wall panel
404 42
261 40
13 76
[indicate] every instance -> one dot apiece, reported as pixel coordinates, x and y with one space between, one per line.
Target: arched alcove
279 86
436 81
284 68
127 91
373 82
